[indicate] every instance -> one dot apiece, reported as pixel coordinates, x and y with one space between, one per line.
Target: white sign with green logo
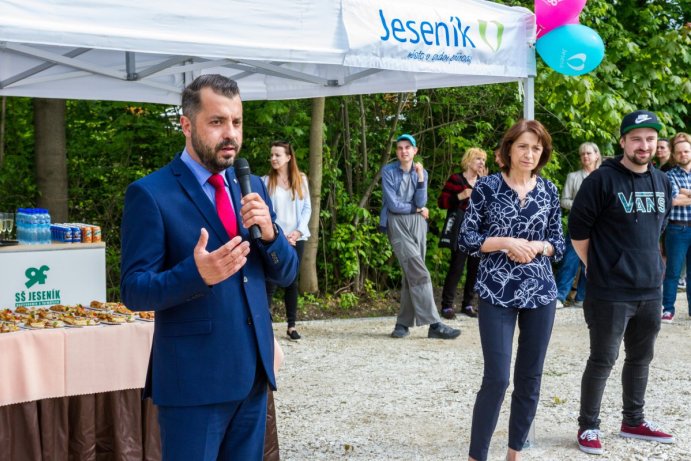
48 275
470 38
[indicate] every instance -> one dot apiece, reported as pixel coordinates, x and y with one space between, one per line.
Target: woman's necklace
283 182
521 189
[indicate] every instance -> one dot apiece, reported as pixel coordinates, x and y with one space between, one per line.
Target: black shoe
400 331
448 313
443 332
470 311
293 334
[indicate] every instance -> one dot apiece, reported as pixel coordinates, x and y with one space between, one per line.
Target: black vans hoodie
623 214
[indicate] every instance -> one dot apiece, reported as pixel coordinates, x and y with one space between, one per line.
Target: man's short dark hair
219 84
513 133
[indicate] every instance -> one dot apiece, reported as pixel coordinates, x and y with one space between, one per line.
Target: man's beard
685 164
634 159
208 157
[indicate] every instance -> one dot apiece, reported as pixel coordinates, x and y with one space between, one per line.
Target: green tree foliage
647 57
112 144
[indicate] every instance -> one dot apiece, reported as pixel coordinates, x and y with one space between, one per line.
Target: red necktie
223 207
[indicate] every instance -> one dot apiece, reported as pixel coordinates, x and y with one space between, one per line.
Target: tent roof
149 50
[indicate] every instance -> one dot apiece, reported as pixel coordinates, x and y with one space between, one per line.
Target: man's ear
186 125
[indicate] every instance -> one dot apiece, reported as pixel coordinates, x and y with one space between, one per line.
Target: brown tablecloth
108 426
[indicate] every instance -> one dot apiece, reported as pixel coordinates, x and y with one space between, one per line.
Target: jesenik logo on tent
451 33
36 276
483 34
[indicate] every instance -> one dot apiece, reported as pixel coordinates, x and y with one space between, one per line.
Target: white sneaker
560 304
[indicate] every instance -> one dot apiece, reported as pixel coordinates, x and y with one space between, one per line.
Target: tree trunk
308 269
347 161
51 157
363 144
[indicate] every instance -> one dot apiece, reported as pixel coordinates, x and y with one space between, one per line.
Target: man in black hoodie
615 225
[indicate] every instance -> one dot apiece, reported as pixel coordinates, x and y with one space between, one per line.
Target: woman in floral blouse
513 223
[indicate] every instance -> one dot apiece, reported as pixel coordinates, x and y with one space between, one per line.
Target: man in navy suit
212 354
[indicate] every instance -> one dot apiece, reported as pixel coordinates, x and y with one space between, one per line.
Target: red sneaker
648 430
667 317
589 441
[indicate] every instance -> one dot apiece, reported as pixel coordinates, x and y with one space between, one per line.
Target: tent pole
529 98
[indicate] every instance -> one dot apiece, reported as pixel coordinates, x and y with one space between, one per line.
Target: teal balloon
573 49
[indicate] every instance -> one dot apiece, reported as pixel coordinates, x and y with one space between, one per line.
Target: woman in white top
291 202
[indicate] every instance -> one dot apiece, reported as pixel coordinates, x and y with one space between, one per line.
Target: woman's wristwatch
545 247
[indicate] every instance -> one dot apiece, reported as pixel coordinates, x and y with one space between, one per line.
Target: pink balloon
550 14
541 31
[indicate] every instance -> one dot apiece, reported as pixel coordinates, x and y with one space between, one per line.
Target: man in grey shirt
404 218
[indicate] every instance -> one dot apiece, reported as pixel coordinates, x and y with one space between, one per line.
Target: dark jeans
290 295
456 266
497 326
638 323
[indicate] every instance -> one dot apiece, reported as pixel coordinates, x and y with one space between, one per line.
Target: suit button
249 320
244 279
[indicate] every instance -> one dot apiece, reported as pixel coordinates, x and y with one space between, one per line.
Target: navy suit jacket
208 340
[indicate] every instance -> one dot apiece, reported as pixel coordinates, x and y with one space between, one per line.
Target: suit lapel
194 191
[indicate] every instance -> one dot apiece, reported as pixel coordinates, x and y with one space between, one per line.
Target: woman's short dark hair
513 133
219 84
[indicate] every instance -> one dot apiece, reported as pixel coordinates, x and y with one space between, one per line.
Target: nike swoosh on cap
642 118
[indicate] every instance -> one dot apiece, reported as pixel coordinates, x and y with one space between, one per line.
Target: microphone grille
242 167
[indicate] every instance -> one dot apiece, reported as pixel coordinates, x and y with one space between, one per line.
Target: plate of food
119 308
111 319
97 306
146 316
108 322
8 327
34 324
78 322
54 323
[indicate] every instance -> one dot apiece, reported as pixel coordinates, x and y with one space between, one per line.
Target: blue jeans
678 247
567 272
497 326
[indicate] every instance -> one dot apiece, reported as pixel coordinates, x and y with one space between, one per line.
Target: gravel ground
349 391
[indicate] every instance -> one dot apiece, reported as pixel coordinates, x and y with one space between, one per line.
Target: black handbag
452 225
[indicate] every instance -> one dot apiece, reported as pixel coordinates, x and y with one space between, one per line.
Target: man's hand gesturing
221 263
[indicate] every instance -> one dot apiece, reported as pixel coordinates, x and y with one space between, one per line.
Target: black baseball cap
640 119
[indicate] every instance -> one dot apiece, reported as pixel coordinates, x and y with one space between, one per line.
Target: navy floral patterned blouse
495 211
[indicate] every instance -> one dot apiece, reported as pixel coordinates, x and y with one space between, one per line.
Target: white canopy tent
148 50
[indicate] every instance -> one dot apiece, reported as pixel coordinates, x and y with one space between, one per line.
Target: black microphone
242 171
